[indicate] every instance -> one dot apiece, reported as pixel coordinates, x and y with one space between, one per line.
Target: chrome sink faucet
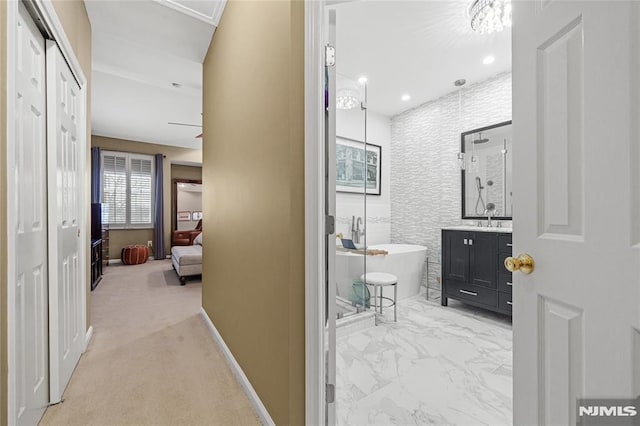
356 232
490 211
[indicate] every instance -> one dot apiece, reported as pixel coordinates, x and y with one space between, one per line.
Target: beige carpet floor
152 360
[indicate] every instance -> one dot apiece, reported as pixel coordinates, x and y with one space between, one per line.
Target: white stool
381 280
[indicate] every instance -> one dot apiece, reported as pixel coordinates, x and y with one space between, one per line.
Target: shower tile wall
425 178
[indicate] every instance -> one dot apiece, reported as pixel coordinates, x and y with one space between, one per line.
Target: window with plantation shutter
127 190
141 191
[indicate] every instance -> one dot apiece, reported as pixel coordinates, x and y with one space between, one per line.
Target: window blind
141 191
114 189
127 189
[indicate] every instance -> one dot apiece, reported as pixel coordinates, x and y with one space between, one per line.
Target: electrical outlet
149 243
438 280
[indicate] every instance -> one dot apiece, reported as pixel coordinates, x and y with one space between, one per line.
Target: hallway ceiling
140 48
414 47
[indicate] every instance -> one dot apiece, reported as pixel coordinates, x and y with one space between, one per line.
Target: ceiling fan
188 125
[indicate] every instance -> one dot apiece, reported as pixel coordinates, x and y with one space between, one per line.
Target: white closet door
29 380
576 100
66 298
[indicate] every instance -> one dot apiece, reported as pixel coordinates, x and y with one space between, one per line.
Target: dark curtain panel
158 238
96 176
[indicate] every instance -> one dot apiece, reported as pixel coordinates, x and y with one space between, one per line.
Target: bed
187 260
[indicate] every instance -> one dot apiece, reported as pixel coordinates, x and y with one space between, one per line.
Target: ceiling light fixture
488 60
489 16
362 80
405 97
347 99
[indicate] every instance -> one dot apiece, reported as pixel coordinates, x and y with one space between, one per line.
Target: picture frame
196 215
350 167
184 216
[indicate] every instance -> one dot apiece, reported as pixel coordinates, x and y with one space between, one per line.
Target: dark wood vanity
473 268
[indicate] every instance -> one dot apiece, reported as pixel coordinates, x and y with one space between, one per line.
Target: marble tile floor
435 366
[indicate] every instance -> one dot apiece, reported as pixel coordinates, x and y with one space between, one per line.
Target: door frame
314 211
52 24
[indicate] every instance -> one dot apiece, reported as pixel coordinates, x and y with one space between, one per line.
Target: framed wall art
355 168
184 216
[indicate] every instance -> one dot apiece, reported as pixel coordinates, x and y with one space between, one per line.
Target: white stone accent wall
425 176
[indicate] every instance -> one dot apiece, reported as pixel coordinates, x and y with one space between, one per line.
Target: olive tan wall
253 176
119 238
179 171
77 27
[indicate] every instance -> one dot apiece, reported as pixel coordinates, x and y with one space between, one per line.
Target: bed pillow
198 239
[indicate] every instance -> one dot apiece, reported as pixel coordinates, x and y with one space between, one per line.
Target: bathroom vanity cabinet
473 268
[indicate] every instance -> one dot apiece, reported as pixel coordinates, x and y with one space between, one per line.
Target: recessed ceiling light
488 60
406 97
362 80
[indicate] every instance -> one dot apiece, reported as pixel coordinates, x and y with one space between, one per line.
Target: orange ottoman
134 255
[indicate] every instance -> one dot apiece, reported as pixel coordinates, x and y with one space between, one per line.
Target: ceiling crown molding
212 20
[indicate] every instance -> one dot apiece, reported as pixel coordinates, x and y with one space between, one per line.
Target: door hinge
330 225
329 55
330 393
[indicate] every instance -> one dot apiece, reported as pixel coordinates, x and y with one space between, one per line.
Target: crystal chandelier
489 16
347 99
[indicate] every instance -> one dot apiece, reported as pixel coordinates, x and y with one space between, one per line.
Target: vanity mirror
487 172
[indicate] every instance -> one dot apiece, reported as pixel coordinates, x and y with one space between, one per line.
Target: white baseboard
237 370
87 338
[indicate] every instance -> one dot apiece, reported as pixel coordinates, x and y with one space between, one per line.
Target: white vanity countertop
479 229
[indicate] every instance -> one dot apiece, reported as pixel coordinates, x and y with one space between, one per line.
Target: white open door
576 128
66 147
27 193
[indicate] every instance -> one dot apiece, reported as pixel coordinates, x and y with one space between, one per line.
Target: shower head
480 140
479 183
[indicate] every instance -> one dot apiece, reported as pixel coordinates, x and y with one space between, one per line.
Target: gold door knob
523 263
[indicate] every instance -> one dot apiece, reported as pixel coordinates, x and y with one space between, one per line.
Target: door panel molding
27 240
569 339
66 147
49 20
560 95
560 331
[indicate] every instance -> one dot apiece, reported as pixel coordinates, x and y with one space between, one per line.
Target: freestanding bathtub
405 261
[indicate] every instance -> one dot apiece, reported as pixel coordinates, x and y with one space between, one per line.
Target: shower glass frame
354 303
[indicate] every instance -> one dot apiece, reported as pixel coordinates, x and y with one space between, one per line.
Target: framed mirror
487 172
187 204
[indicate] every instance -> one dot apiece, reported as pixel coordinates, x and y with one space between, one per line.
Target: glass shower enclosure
351 180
